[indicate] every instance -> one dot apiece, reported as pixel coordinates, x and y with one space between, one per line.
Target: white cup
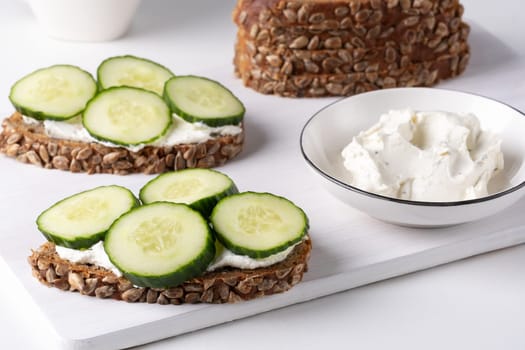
84 20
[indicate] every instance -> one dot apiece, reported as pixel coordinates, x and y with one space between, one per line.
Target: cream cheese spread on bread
96 255
181 132
225 257
424 156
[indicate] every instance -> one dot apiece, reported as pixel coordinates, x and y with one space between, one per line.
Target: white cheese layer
225 257
96 255
180 132
424 156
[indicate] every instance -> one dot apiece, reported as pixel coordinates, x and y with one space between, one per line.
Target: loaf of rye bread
30 144
375 44
225 285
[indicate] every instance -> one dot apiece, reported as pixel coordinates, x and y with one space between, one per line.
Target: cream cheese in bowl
431 156
328 132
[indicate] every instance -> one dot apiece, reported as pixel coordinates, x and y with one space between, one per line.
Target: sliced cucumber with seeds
81 220
160 245
198 99
133 71
127 116
258 224
58 92
201 189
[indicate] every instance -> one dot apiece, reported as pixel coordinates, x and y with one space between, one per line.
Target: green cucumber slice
81 220
132 71
198 99
201 189
160 245
258 224
127 116
58 92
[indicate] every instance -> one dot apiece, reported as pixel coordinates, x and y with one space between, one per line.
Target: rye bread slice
30 144
321 15
270 81
225 285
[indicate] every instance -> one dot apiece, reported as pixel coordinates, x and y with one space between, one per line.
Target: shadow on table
255 139
488 53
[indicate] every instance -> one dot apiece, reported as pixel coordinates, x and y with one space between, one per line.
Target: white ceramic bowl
332 128
84 20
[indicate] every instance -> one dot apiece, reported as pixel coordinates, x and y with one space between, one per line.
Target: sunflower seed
60 162
13 138
290 15
302 14
313 44
132 295
333 43
362 15
274 61
111 158
341 11
316 18
12 150
411 21
75 281
299 43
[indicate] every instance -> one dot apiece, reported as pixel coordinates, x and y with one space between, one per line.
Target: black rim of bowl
397 200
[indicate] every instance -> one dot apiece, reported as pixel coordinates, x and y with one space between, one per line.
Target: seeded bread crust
30 144
225 285
305 48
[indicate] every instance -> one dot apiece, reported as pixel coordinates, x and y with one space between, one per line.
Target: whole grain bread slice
30 144
225 285
428 73
322 15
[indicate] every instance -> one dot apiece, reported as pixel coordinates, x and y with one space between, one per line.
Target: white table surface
477 303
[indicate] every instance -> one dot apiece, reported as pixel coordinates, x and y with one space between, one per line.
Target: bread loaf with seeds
225 285
29 143
375 43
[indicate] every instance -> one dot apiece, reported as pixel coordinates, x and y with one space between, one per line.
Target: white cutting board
350 249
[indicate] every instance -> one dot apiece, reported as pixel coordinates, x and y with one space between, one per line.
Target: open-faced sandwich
136 117
190 238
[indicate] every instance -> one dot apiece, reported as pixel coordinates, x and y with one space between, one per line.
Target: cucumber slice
201 189
160 245
127 116
258 224
133 71
81 220
58 92
198 99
